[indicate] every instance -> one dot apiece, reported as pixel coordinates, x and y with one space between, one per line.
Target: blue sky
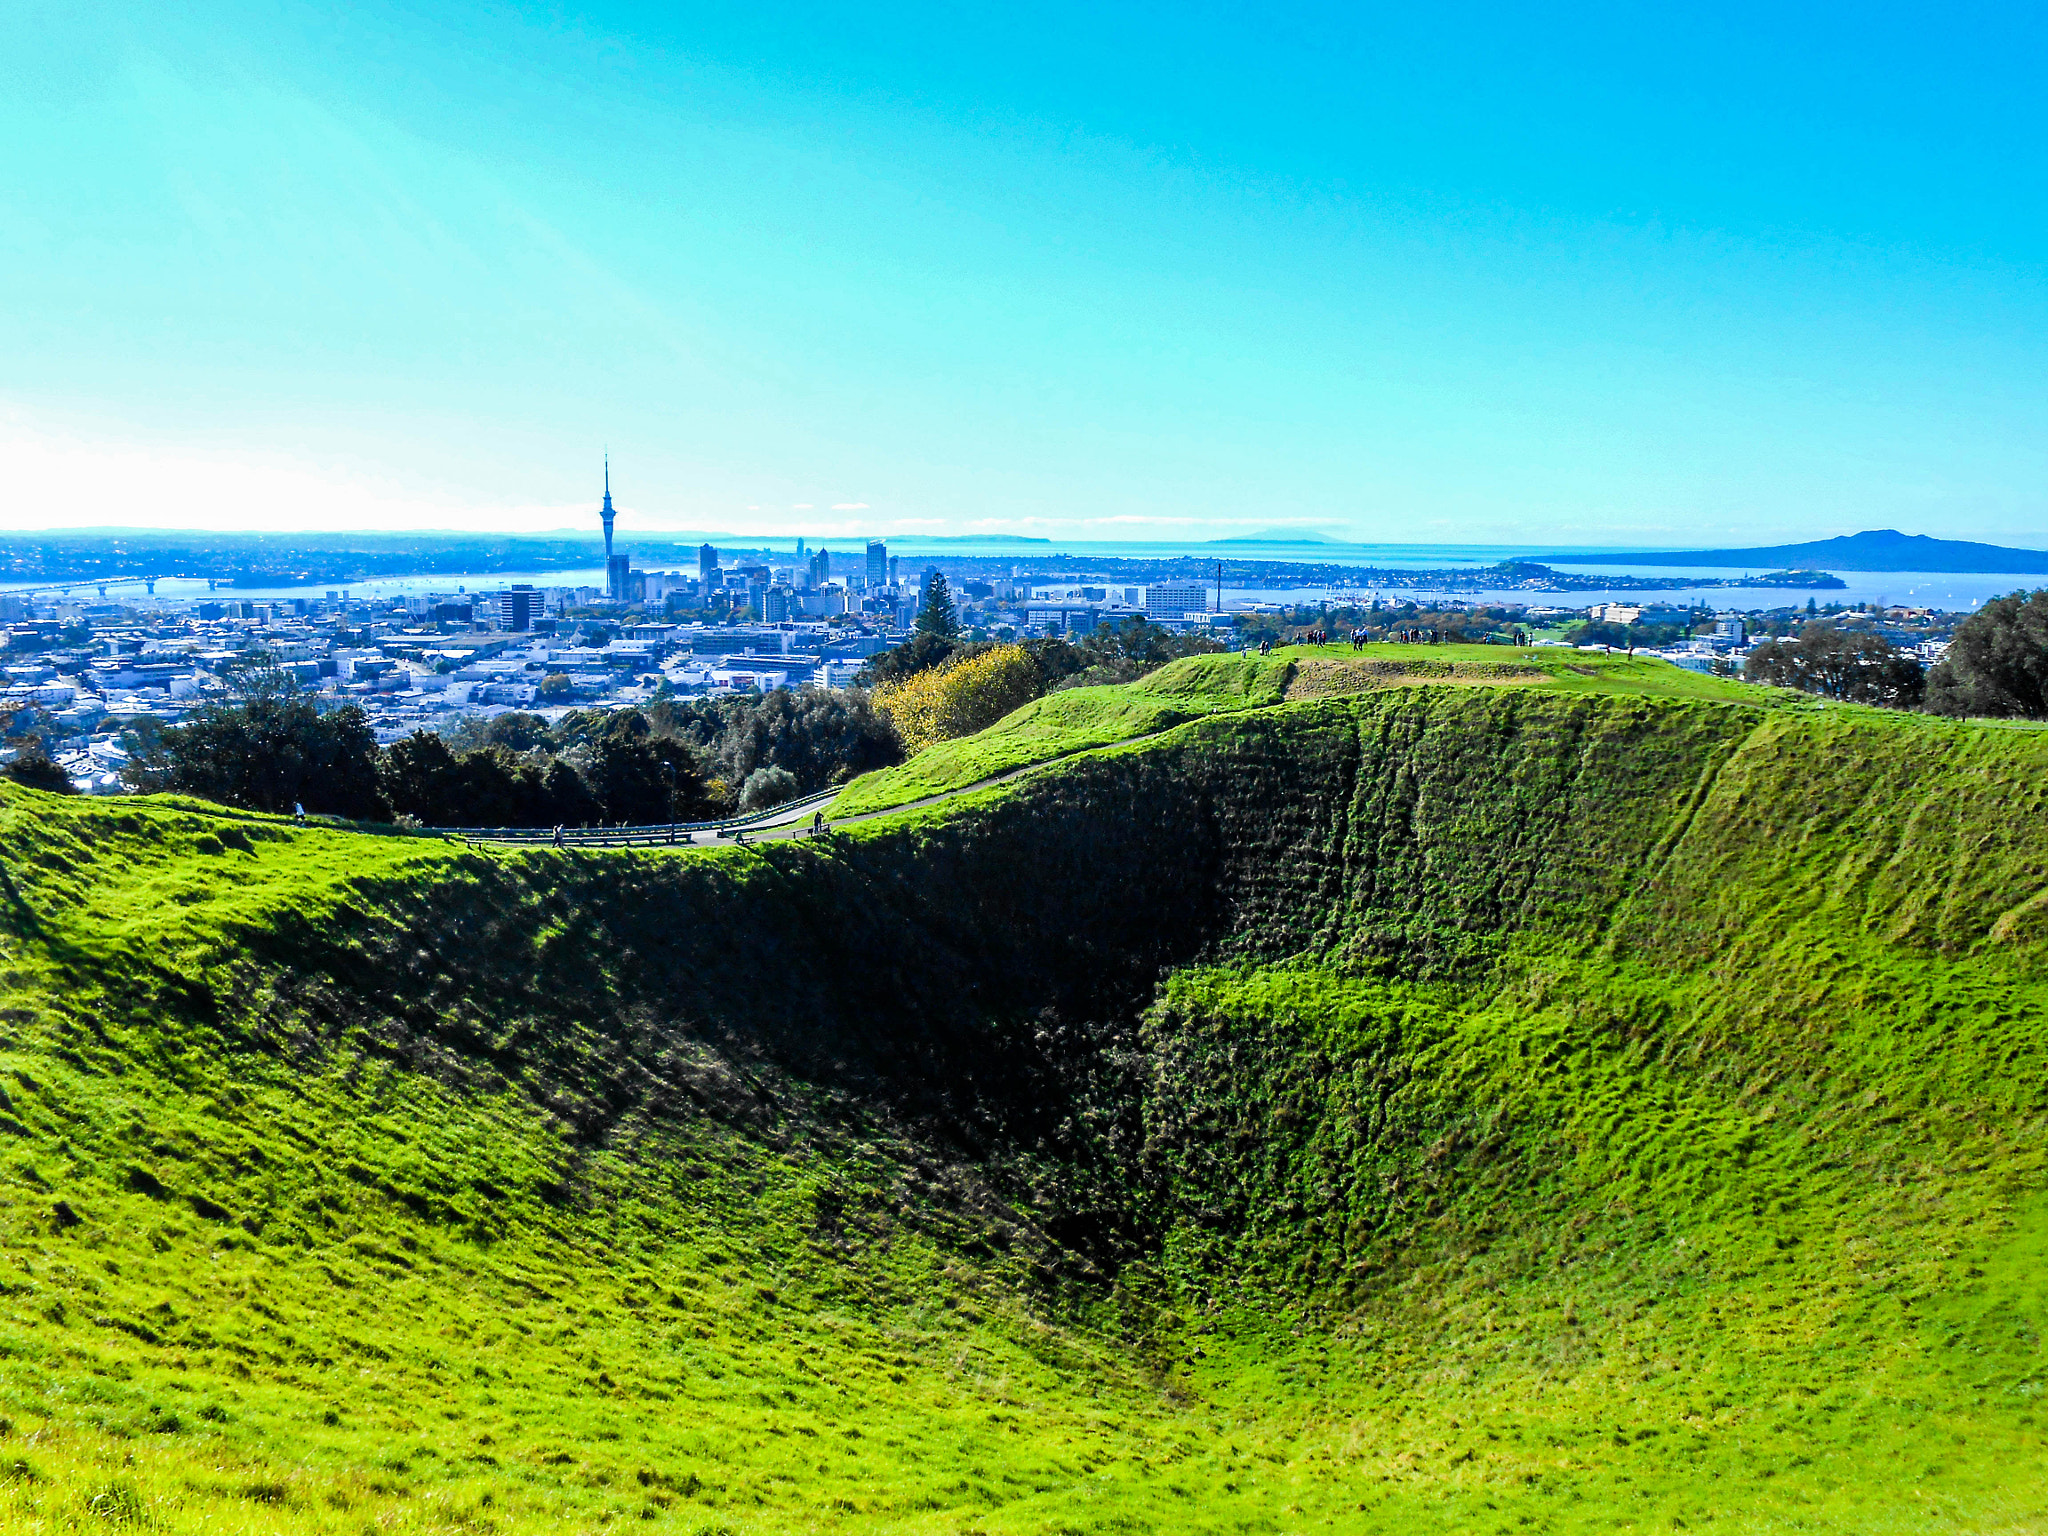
1449 273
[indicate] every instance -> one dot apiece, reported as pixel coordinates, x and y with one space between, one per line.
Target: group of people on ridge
1358 638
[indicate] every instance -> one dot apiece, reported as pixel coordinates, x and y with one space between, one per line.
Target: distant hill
1278 536
1882 549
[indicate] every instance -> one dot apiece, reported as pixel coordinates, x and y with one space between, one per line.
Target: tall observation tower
607 514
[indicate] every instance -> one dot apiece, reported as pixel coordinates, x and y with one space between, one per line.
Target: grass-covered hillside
1076 719
1509 1105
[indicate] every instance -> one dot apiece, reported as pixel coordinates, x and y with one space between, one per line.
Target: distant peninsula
1275 536
1883 549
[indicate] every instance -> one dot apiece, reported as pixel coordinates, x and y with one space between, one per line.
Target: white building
1176 600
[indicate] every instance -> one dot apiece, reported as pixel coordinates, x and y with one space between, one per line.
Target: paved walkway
800 818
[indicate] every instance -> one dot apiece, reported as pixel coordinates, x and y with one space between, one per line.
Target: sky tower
607 514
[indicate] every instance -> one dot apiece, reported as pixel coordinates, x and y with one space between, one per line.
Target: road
793 820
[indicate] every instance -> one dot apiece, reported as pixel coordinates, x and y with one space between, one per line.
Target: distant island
1275 536
1882 549
1529 575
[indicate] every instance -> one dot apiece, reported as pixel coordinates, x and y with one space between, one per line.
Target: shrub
35 768
959 697
766 787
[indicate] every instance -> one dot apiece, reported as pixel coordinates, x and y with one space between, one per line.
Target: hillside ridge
1424 1107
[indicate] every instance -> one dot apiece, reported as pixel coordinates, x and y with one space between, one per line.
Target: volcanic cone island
1463 1095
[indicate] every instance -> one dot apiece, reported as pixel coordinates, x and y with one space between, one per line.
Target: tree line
695 759
1996 666
674 760
677 759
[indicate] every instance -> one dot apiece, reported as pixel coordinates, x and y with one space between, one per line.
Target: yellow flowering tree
959 697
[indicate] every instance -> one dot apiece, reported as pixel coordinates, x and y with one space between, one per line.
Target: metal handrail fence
650 833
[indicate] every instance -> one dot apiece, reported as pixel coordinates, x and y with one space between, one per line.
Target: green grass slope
1061 724
1444 1108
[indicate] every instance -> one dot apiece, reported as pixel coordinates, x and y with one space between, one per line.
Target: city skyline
1484 277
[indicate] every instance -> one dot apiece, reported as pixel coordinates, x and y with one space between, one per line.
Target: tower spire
607 514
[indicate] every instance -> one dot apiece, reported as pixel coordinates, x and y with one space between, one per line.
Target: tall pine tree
937 616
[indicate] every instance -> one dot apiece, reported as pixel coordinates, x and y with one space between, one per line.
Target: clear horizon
1483 276
1137 547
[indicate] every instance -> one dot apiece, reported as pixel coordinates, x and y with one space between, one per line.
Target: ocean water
1952 593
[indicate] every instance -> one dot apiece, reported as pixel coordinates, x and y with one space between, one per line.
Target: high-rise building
707 565
878 563
618 575
607 514
518 607
821 568
1176 600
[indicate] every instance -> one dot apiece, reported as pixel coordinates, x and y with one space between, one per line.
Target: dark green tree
491 786
1839 664
822 736
268 754
1997 664
566 801
420 777
937 616
638 777
923 650
514 729
1057 660
1114 653
34 767
495 787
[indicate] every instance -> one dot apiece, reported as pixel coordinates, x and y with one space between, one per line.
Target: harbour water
1952 593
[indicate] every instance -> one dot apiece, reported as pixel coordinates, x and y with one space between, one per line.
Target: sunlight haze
1178 272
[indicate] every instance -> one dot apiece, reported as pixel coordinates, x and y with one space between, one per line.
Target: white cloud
64 479
801 506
